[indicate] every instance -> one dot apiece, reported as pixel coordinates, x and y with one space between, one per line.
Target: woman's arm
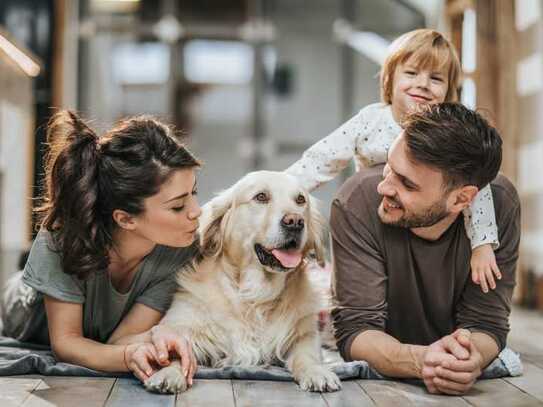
69 344
136 326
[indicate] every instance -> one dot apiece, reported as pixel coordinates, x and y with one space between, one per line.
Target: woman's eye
178 208
410 72
300 199
262 197
437 79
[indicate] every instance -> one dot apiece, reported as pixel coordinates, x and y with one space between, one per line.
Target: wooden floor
527 390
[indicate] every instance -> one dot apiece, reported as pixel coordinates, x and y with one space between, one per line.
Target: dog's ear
316 230
212 221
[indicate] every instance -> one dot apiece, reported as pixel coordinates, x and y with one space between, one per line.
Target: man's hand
452 364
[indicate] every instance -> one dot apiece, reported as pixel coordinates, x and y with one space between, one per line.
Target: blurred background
253 83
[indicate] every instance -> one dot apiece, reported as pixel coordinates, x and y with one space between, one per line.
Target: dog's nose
292 222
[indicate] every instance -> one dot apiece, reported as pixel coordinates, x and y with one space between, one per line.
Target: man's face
413 194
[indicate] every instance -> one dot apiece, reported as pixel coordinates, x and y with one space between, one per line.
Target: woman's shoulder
43 271
44 244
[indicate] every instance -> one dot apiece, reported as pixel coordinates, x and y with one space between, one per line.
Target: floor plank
15 390
351 394
391 394
67 391
526 333
207 393
130 392
530 382
274 394
533 358
498 392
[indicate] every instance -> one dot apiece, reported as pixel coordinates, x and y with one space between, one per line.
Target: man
405 301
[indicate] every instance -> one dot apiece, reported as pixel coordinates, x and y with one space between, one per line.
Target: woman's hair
87 178
428 49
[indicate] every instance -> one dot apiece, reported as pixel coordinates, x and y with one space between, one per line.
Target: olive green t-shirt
154 285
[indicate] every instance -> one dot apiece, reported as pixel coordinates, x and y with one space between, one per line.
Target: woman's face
170 217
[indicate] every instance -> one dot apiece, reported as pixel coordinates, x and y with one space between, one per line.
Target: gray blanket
17 358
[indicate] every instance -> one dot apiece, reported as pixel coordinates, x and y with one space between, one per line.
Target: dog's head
266 218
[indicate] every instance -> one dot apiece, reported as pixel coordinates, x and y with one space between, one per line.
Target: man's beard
428 217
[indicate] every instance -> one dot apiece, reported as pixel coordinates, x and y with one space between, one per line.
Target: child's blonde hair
429 49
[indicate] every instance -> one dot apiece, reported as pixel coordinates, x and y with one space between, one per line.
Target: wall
529 24
16 156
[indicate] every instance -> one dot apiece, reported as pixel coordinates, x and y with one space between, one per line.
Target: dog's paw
167 380
319 378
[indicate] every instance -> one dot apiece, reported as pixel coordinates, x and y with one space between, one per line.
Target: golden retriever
246 299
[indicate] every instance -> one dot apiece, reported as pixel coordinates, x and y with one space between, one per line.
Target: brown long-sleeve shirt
386 278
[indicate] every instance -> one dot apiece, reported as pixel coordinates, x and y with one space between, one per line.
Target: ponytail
69 208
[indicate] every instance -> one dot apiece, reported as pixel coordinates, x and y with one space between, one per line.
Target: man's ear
123 219
463 197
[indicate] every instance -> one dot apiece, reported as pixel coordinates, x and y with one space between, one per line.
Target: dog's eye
262 197
300 199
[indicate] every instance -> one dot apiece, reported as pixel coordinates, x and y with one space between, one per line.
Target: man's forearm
487 347
387 355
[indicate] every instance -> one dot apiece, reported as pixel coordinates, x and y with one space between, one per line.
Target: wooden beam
495 78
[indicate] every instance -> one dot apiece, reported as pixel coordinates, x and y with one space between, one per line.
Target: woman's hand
168 342
141 359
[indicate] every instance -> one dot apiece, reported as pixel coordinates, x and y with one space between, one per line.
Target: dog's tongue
288 258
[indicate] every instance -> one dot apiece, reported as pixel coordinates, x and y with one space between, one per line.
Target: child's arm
325 159
480 222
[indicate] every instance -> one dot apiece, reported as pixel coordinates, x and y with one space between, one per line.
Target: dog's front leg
305 364
170 379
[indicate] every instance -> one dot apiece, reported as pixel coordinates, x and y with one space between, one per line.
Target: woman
119 216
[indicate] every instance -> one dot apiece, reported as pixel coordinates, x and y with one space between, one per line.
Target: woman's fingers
161 350
141 358
193 367
182 350
140 374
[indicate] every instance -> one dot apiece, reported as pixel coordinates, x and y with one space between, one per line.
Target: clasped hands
452 364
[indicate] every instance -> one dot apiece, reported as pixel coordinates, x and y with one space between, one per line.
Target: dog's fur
240 311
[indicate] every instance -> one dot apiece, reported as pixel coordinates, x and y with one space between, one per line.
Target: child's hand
484 267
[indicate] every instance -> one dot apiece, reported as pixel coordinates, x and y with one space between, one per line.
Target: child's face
413 86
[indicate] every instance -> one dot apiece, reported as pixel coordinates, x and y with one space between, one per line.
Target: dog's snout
292 222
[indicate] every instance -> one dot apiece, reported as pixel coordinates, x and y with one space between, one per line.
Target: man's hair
428 49
457 141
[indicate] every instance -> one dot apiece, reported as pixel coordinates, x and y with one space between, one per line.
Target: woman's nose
195 211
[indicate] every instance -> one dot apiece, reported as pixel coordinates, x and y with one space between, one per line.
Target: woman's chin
183 242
